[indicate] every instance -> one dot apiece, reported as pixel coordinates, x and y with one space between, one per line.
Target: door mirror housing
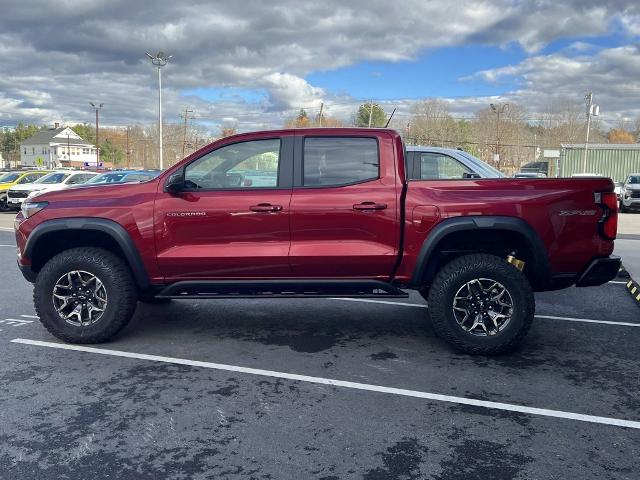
175 183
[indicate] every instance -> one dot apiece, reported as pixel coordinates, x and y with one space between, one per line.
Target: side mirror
175 184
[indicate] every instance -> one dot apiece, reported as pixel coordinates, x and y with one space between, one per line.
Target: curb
632 285
634 290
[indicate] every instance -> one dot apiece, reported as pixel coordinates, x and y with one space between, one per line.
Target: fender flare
111 228
540 267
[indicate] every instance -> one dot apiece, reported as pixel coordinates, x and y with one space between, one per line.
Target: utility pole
320 116
592 110
128 151
498 110
160 60
185 116
97 108
370 112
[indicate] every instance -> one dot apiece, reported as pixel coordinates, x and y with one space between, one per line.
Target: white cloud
56 56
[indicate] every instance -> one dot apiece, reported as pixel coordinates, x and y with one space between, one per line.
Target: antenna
390 117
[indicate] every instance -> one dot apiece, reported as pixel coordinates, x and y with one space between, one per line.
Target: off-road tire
623 209
464 269
121 294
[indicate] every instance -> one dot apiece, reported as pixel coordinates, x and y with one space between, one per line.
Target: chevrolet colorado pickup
318 213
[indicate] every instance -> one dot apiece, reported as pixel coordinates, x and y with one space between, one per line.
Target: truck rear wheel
85 295
480 304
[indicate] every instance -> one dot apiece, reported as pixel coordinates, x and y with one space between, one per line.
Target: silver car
630 193
435 163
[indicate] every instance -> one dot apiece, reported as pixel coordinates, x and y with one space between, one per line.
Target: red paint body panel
228 241
571 241
318 233
332 239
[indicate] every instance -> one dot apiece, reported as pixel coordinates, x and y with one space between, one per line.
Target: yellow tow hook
519 264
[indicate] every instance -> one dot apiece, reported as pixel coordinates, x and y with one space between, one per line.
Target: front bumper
28 274
599 271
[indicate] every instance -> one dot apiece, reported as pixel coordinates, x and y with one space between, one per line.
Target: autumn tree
302 120
619 135
370 114
228 131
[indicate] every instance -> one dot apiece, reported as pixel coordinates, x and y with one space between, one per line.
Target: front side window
634 179
252 164
437 166
78 179
9 177
54 177
335 161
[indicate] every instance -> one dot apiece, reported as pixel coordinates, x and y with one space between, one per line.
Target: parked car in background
435 163
619 188
123 176
58 180
630 193
18 177
529 175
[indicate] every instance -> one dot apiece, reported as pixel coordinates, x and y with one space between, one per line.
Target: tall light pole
498 110
592 110
160 60
97 108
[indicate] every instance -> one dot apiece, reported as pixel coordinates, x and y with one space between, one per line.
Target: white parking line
549 317
385 302
617 282
587 320
5 229
342 383
8 246
30 316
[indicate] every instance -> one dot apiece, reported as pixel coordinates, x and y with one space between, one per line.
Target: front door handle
265 207
370 206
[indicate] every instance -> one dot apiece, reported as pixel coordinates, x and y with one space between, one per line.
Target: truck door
344 207
232 218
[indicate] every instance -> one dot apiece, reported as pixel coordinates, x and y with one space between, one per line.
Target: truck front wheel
85 295
481 304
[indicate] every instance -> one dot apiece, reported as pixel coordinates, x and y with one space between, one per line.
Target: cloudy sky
254 64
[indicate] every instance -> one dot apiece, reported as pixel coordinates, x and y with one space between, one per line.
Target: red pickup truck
317 213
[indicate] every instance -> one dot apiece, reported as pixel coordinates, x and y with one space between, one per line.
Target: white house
57 147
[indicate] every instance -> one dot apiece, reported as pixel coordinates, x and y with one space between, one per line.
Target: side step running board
281 289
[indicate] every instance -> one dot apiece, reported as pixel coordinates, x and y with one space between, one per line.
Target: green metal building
614 160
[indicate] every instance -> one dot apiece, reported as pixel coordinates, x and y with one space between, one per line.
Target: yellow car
9 179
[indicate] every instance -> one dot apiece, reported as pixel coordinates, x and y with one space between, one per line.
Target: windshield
108 178
54 177
480 164
9 177
634 179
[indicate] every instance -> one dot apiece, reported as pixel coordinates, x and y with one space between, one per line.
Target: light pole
498 110
97 108
160 60
592 111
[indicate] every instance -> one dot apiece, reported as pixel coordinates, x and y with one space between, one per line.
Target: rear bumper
599 271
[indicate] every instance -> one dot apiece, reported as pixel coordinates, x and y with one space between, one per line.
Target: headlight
29 209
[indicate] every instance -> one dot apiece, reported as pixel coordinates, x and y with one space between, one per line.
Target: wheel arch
53 236
506 229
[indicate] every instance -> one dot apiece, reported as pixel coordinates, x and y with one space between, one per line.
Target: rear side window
436 166
335 161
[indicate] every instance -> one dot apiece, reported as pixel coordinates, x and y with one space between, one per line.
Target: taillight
609 221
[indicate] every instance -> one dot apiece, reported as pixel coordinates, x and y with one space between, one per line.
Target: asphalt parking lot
326 389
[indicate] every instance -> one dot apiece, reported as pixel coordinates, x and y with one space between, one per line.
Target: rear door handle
265 207
370 206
